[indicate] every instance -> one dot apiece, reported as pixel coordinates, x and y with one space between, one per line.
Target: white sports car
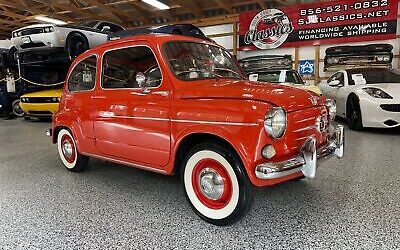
367 97
51 38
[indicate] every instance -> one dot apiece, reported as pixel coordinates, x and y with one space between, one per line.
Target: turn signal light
268 152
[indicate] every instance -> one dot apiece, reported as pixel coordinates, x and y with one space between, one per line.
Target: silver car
72 39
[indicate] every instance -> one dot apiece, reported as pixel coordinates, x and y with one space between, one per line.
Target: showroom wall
222 34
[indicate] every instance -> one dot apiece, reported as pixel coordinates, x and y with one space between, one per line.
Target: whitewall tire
69 155
216 184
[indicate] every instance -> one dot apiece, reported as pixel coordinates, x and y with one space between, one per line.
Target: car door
132 124
78 99
338 92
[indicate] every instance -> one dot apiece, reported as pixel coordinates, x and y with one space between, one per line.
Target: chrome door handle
162 93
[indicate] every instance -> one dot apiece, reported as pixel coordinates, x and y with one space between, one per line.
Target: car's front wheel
16 108
216 184
71 158
353 113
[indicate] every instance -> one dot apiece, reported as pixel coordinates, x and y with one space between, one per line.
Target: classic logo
268 29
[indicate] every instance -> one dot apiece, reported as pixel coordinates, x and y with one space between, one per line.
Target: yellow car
42 104
286 77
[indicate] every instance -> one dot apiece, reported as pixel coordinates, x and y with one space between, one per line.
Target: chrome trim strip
217 123
302 138
306 120
161 171
134 117
104 115
280 174
305 128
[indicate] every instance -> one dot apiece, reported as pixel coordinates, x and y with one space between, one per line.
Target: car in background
285 77
188 109
345 57
68 40
366 97
42 104
266 62
177 29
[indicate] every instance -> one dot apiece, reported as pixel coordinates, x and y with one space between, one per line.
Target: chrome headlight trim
331 105
275 122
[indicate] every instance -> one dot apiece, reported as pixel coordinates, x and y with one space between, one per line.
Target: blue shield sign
306 67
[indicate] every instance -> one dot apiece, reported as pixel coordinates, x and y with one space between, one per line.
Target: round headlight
275 122
331 105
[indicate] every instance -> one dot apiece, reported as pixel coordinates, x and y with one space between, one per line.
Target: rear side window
338 76
83 76
121 66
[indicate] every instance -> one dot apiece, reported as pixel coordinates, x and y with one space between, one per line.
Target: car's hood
45 93
312 88
289 98
392 89
42 25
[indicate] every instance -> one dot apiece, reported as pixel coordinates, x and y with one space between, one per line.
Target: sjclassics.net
344 17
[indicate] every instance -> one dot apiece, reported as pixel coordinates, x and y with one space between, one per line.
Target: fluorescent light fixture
159 5
49 20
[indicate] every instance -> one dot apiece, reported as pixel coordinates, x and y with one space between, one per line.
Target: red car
173 104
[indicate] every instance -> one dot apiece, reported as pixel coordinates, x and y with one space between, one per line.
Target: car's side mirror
334 83
106 29
141 81
253 77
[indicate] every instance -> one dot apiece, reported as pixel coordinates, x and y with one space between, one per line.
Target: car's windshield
89 24
280 76
194 61
373 76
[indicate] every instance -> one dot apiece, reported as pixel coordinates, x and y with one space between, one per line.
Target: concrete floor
352 204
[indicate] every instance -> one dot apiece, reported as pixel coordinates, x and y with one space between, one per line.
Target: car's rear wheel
216 184
353 114
16 108
76 45
71 158
13 56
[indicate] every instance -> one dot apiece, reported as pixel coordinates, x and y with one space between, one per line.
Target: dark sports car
267 62
345 57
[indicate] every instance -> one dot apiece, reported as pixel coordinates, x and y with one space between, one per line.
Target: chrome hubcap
67 149
211 183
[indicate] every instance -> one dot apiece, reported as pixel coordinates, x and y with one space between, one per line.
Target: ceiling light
49 20
157 4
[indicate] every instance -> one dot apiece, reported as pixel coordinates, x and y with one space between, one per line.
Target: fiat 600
180 105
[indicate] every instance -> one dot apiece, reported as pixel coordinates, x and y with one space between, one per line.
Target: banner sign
318 23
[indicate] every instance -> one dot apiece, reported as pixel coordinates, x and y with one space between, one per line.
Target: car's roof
150 38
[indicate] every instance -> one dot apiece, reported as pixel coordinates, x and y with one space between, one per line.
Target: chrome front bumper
306 162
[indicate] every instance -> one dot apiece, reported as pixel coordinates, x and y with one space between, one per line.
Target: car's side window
83 76
333 77
121 66
113 27
338 76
